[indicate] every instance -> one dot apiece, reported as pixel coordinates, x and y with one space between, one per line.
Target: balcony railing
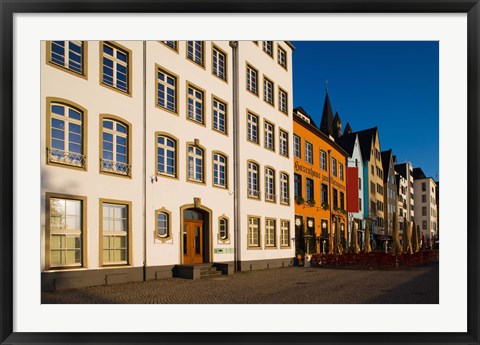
284 200
65 157
110 166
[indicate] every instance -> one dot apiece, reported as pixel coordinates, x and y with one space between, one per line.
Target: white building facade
426 210
140 142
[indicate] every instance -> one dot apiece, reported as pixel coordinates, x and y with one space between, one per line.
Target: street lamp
324 228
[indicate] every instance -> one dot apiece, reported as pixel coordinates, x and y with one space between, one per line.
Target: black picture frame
11 7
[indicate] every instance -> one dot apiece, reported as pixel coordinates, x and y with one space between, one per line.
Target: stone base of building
254 265
77 279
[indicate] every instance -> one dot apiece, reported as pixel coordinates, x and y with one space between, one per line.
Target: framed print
130 162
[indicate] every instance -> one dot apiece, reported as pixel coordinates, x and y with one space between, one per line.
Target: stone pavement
280 285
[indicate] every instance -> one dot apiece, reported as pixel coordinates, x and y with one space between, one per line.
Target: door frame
207 228
190 232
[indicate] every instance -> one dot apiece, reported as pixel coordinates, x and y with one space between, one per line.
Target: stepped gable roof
326 123
347 142
386 157
365 139
418 174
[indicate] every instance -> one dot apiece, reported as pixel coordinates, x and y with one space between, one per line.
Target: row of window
195 52
253 134
268 48
116 60
310 193
379 171
253 184
297 151
270 241
252 80
66 238
167 161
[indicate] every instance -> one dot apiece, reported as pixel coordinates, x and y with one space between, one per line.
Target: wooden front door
192 242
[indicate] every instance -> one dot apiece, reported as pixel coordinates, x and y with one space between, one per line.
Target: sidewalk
290 285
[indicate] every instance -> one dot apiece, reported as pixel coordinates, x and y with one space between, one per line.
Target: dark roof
326 123
314 129
301 110
386 157
365 140
336 118
347 142
397 180
347 129
401 169
418 174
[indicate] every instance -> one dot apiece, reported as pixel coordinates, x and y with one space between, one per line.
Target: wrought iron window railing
254 193
110 166
270 196
65 157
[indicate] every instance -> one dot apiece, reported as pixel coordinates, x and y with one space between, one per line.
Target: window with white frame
282 101
115 150
253 180
195 99
252 78
284 189
269 136
268 47
308 152
334 167
282 57
270 232
166 155
195 51
223 228
66 144
219 170
166 90
115 67
195 163
219 63
323 160
253 232
69 55
163 224
65 227
283 143
270 185
115 233
297 147
252 130
219 110
267 90
284 233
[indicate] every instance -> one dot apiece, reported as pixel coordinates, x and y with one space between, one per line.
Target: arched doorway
195 236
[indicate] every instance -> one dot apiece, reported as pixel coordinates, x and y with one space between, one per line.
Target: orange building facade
320 189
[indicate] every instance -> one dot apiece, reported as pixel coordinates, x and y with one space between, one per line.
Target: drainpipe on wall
236 165
144 179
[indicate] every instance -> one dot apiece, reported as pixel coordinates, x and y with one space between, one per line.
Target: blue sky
391 85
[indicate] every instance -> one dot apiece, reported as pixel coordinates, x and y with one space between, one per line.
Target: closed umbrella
415 243
356 248
396 247
338 242
408 236
368 248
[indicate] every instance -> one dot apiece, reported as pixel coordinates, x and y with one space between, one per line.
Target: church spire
326 123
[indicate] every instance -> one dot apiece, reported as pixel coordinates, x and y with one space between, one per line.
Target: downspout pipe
144 174
236 165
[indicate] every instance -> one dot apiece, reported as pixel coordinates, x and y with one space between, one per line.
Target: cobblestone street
282 285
